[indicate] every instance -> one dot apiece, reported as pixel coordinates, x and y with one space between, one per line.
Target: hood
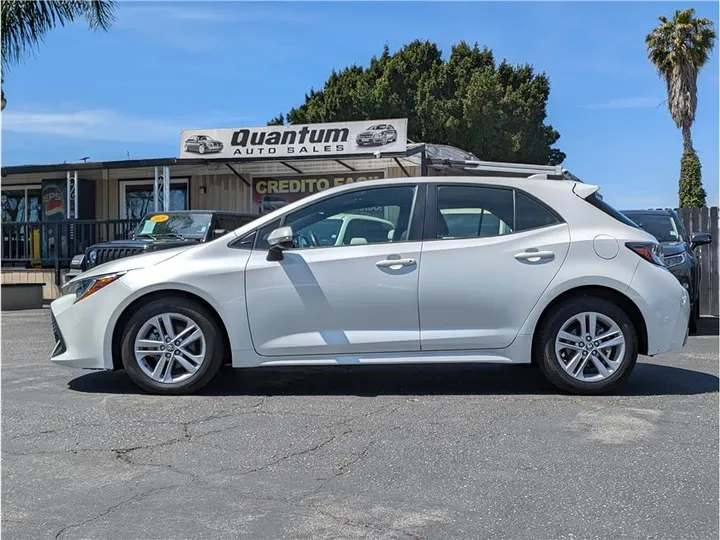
673 248
139 243
133 263
143 243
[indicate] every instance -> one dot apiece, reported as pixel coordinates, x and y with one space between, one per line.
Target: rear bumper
665 306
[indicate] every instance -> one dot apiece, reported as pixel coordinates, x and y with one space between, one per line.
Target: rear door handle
531 255
392 263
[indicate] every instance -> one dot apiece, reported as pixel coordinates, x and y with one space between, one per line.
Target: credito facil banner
271 193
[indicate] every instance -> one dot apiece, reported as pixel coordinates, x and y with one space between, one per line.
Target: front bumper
83 331
367 141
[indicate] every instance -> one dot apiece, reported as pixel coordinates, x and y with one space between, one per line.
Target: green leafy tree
496 111
678 49
25 23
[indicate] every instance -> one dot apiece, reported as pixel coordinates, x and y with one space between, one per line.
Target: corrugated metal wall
222 192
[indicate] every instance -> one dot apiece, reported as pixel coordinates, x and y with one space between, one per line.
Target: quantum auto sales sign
335 139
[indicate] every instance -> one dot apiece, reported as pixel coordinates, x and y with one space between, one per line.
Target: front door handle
533 255
395 263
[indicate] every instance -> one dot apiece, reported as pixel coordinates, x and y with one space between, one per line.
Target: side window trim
431 209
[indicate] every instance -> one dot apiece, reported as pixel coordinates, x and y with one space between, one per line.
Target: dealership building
51 213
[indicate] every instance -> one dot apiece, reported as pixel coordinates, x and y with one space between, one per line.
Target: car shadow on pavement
647 380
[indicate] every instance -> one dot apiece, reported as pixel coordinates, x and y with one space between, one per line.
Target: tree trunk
687 140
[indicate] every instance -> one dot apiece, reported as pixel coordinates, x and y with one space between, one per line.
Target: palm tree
679 49
25 23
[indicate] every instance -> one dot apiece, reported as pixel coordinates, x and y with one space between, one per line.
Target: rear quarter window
530 214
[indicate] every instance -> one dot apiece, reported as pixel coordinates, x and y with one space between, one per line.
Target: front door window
372 216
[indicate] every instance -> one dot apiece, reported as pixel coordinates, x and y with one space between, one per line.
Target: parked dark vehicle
678 250
162 230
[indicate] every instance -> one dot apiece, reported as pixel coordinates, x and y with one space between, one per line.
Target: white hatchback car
526 270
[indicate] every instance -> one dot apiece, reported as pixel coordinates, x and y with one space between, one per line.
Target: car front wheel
587 345
172 346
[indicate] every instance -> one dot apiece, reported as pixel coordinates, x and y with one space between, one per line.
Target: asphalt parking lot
411 452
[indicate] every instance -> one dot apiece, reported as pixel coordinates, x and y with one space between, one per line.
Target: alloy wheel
590 346
170 348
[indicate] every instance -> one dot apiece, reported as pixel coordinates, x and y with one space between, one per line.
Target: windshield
165 225
661 226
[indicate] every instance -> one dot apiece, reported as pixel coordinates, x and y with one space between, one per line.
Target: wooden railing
53 244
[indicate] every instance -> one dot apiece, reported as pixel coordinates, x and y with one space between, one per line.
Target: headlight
92 256
674 260
82 288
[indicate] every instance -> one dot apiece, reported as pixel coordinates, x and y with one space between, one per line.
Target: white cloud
628 103
230 12
105 125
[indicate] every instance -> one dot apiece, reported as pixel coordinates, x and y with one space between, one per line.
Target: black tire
694 316
214 352
544 349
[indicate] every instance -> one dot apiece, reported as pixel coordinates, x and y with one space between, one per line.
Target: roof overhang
165 162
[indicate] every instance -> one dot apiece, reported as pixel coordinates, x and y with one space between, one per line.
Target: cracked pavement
410 452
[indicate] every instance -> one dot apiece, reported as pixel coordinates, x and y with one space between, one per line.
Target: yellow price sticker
159 218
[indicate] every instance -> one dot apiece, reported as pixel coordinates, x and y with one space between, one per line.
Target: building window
21 203
136 197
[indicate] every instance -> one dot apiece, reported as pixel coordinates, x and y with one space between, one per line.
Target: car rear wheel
172 346
587 345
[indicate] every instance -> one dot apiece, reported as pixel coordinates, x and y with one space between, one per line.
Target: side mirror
278 240
217 233
699 239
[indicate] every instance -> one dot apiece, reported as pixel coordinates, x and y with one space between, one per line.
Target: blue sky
165 66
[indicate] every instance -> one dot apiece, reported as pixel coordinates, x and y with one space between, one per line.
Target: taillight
649 251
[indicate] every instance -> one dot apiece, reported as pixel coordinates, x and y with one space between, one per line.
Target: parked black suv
678 250
162 230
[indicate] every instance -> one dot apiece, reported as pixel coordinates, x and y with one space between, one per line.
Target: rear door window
473 212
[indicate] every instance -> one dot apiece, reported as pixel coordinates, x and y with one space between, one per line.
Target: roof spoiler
584 190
